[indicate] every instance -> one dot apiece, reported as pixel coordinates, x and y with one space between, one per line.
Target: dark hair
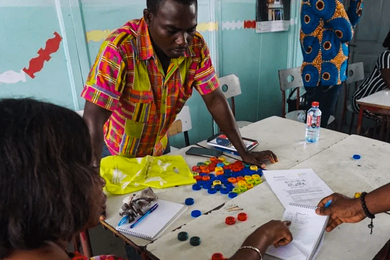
46 183
386 42
154 5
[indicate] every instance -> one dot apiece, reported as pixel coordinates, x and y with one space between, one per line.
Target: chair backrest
290 79
230 85
355 72
182 124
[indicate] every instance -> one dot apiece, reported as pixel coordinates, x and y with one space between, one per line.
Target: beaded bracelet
253 248
366 211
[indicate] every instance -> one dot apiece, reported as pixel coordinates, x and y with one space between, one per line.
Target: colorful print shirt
326 29
78 256
127 78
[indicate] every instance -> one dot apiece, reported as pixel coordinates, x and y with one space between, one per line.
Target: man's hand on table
258 158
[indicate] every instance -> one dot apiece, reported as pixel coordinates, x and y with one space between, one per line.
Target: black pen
144 215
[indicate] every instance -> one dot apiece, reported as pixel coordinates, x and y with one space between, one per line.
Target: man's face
172 28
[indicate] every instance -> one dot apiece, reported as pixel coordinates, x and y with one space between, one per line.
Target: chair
230 86
292 79
355 74
182 124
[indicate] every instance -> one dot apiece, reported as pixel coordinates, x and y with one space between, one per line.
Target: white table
284 137
342 174
378 102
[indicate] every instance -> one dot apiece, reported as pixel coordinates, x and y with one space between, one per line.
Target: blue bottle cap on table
196 213
232 195
196 187
189 201
212 191
225 190
356 157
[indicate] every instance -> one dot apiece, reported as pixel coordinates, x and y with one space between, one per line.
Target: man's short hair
154 5
46 182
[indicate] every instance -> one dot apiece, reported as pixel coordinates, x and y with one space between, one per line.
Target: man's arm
220 110
386 77
95 117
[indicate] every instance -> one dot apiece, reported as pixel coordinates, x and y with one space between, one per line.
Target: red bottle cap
242 216
217 256
315 104
230 220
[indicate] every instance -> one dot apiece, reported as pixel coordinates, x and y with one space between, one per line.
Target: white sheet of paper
301 186
307 229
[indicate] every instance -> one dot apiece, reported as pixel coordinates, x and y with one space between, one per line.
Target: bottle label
313 123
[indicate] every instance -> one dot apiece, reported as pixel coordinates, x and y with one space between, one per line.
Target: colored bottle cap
196 187
217 256
196 213
218 187
195 241
243 188
182 236
237 190
232 195
242 216
211 191
356 157
249 186
189 201
216 182
225 190
230 220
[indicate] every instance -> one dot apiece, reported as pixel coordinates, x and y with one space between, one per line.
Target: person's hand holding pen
342 209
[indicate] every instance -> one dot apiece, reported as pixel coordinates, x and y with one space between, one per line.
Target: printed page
301 186
307 229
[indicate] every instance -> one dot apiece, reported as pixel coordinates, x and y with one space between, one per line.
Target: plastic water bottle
313 122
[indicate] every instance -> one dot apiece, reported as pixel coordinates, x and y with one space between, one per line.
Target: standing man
143 75
326 29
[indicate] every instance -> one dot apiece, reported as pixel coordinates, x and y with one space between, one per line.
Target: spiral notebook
156 222
307 229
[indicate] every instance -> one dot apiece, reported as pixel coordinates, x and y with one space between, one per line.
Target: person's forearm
95 117
223 116
378 201
251 254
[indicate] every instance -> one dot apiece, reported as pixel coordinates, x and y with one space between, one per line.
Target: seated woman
49 191
379 79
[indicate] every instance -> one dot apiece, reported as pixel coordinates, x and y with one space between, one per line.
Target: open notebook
307 229
156 222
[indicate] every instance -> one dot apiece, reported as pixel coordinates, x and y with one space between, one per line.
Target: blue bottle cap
189 201
196 187
196 213
212 191
356 157
232 195
225 191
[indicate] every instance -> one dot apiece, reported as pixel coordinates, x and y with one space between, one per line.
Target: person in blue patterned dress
326 29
